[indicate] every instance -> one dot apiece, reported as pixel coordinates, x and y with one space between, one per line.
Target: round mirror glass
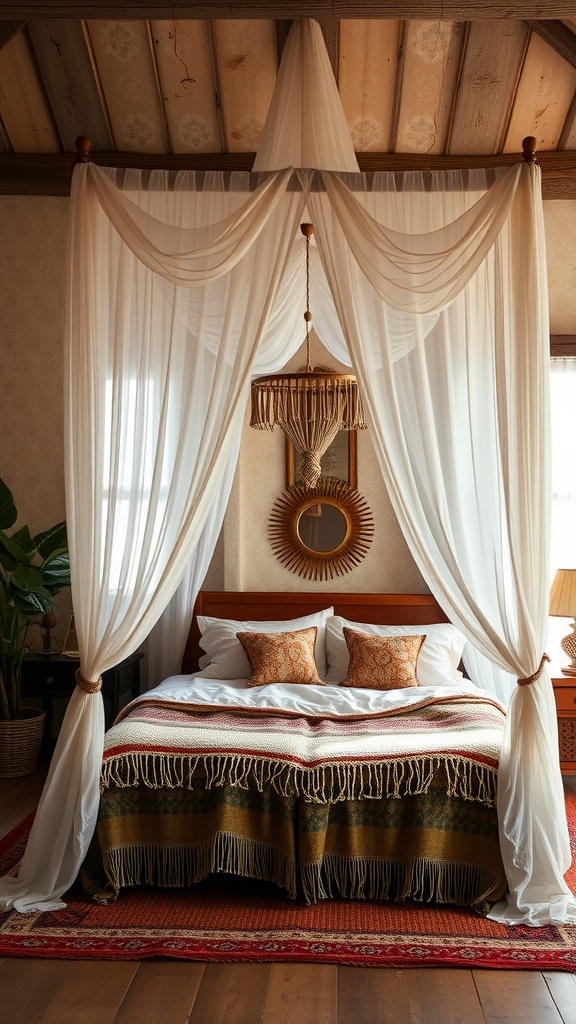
322 527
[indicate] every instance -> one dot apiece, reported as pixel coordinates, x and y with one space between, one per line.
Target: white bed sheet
298 699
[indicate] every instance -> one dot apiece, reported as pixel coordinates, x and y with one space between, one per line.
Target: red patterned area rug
227 920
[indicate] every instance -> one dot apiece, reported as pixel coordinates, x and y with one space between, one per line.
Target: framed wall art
339 461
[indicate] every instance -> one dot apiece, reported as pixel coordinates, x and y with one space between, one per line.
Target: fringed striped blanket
389 801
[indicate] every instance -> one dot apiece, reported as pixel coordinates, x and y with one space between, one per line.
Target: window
130 464
563 543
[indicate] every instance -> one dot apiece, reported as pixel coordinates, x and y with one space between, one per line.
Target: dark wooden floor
170 992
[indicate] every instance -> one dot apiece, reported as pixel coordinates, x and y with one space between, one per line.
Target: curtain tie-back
535 675
88 685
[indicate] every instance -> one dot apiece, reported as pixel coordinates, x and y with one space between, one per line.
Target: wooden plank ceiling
429 84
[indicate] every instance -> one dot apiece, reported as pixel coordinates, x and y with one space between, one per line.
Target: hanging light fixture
310 406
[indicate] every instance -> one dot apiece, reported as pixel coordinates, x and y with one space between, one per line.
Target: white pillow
225 657
438 659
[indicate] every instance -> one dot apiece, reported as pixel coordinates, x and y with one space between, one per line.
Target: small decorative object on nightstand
563 603
70 646
46 626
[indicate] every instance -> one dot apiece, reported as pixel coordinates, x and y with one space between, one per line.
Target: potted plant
33 569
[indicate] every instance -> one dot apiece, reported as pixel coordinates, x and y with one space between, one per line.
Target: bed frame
383 609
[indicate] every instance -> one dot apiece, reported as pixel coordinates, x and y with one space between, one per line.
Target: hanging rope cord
314 426
307 231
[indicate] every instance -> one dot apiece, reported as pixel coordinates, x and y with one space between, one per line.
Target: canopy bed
181 289
324 788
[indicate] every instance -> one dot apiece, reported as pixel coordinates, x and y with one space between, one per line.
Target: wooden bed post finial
529 149
82 151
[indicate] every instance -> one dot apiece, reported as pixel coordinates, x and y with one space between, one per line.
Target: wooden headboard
392 609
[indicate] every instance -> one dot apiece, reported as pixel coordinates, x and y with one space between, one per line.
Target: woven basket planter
20 743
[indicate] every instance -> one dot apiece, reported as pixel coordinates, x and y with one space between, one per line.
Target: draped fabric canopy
180 289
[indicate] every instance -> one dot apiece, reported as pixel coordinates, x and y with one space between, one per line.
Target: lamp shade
563 593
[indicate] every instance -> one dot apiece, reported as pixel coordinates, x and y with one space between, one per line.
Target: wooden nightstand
52 676
565 696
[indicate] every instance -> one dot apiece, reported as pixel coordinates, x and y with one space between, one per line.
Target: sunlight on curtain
563 394
563 544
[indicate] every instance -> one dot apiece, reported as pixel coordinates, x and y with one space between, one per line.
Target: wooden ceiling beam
558 36
568 134
563 344
49 173
5 144
9 29
67 73
282 29
472 10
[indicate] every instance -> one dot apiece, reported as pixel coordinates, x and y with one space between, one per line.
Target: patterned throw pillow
382 662
438 661
225 657
281 657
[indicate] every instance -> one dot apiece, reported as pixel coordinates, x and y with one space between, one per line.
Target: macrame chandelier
310 406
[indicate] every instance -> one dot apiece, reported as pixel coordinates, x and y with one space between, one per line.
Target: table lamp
563 602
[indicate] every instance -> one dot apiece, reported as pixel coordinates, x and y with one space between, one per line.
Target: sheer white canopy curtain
170 288
179 291
461 428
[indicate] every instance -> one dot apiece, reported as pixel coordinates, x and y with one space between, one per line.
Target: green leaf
56 573
32 571
51 541
24 539
27 579
8 513
34 602
12 554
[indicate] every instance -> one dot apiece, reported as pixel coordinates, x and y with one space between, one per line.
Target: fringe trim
466 779
423 879
179 866
307 399
372 878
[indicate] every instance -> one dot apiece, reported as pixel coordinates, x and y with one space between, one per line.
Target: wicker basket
20 743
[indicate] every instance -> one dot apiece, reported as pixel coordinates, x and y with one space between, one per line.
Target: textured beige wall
32 252
32 257
560 229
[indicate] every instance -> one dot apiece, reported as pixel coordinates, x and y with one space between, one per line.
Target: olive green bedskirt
427 846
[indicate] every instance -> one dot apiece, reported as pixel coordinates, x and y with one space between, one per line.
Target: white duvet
299 699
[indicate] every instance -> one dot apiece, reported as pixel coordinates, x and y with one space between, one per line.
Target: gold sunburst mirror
321 532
